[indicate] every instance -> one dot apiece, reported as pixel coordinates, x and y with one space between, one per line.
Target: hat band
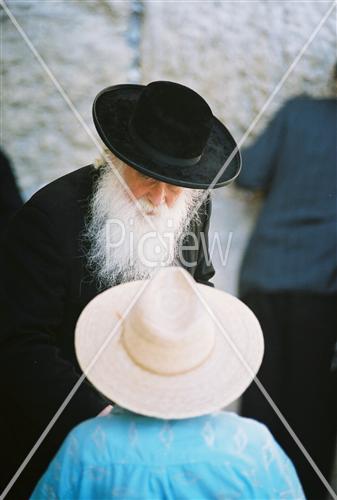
145 365
157 155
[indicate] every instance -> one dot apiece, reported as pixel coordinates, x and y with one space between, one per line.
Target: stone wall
233 53
85 46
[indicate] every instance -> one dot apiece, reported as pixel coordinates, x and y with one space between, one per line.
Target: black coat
10 198
46 284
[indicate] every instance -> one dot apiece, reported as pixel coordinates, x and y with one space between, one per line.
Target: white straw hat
169 347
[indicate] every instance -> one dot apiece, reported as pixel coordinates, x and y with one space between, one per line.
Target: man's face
124 244
156 192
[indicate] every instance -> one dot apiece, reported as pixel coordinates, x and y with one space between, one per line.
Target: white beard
123 244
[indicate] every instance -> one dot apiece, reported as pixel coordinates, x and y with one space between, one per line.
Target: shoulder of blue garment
122 426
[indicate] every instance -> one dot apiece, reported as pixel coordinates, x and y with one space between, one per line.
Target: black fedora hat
166 131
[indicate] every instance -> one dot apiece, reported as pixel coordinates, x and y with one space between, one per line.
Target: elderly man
92 229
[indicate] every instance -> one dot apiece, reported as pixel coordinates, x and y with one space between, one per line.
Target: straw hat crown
168 332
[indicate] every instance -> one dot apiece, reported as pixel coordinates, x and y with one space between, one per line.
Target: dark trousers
300 333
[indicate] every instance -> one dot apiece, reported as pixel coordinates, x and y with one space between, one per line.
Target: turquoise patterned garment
124 455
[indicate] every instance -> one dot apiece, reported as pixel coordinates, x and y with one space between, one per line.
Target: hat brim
221 379
112 110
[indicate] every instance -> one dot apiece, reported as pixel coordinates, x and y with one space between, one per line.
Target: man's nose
157 194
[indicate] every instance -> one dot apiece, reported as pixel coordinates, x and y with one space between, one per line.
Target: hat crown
168 331
173 120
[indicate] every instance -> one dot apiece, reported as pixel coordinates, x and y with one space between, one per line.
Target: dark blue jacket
293 246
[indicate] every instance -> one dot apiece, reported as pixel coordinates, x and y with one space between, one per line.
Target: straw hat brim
222 378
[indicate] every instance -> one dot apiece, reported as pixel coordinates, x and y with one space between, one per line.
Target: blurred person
10 197
289 279
171 369
82 234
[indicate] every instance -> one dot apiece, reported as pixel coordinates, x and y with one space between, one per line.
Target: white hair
124 244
